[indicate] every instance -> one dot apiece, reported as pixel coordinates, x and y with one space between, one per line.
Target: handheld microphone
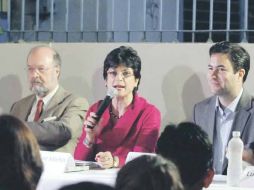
111 93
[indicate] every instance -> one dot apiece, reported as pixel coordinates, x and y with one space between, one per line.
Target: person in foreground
87 186
149 173
53 114
20 161
230 108
129 123
188 146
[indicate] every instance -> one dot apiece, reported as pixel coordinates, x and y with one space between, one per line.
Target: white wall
173 75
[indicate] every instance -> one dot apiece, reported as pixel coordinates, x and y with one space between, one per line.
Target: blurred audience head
149 173
20 161
87 186
189 147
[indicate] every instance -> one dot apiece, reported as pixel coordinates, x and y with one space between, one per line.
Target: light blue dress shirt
223 127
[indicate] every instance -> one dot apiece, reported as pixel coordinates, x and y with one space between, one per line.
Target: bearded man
53 114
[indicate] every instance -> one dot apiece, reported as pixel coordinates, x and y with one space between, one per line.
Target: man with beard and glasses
53 114
231 107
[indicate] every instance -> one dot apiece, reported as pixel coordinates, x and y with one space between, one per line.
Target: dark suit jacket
61 133
204 116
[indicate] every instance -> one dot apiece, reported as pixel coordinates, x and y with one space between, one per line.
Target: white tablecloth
225 187
219 183
51 181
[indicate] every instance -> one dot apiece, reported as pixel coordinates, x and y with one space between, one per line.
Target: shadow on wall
193 92
184 87
98 88
11 91
77 86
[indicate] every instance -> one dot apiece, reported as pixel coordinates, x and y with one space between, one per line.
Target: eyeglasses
124 74
39 69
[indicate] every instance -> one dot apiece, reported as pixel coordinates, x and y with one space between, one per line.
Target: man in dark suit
231 108
53 114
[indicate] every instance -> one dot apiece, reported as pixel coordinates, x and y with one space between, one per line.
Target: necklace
112 114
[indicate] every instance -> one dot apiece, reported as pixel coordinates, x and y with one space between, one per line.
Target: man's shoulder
71 97
25 100
246 101
22 106
206 102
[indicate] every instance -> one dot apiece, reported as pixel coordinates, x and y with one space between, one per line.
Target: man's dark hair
239 57
189 147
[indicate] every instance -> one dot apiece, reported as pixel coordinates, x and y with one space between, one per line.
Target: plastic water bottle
234 154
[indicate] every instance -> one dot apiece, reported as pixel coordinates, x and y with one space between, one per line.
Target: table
50 181
219 183
53 181
225 187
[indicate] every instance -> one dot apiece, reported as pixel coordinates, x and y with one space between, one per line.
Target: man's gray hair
56 56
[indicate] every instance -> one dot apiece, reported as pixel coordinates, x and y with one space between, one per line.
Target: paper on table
76 169
219 179
133 155
90 164
247 179
59 162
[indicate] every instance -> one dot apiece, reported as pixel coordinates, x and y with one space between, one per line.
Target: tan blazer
60 123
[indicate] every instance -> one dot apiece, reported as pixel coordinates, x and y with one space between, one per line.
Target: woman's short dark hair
149 173
125 56
20 160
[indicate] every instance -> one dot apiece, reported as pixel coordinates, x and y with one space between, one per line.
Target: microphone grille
112 92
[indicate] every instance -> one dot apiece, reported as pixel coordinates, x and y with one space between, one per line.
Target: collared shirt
224 121
45 100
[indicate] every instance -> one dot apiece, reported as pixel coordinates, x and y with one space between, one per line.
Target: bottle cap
236 133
